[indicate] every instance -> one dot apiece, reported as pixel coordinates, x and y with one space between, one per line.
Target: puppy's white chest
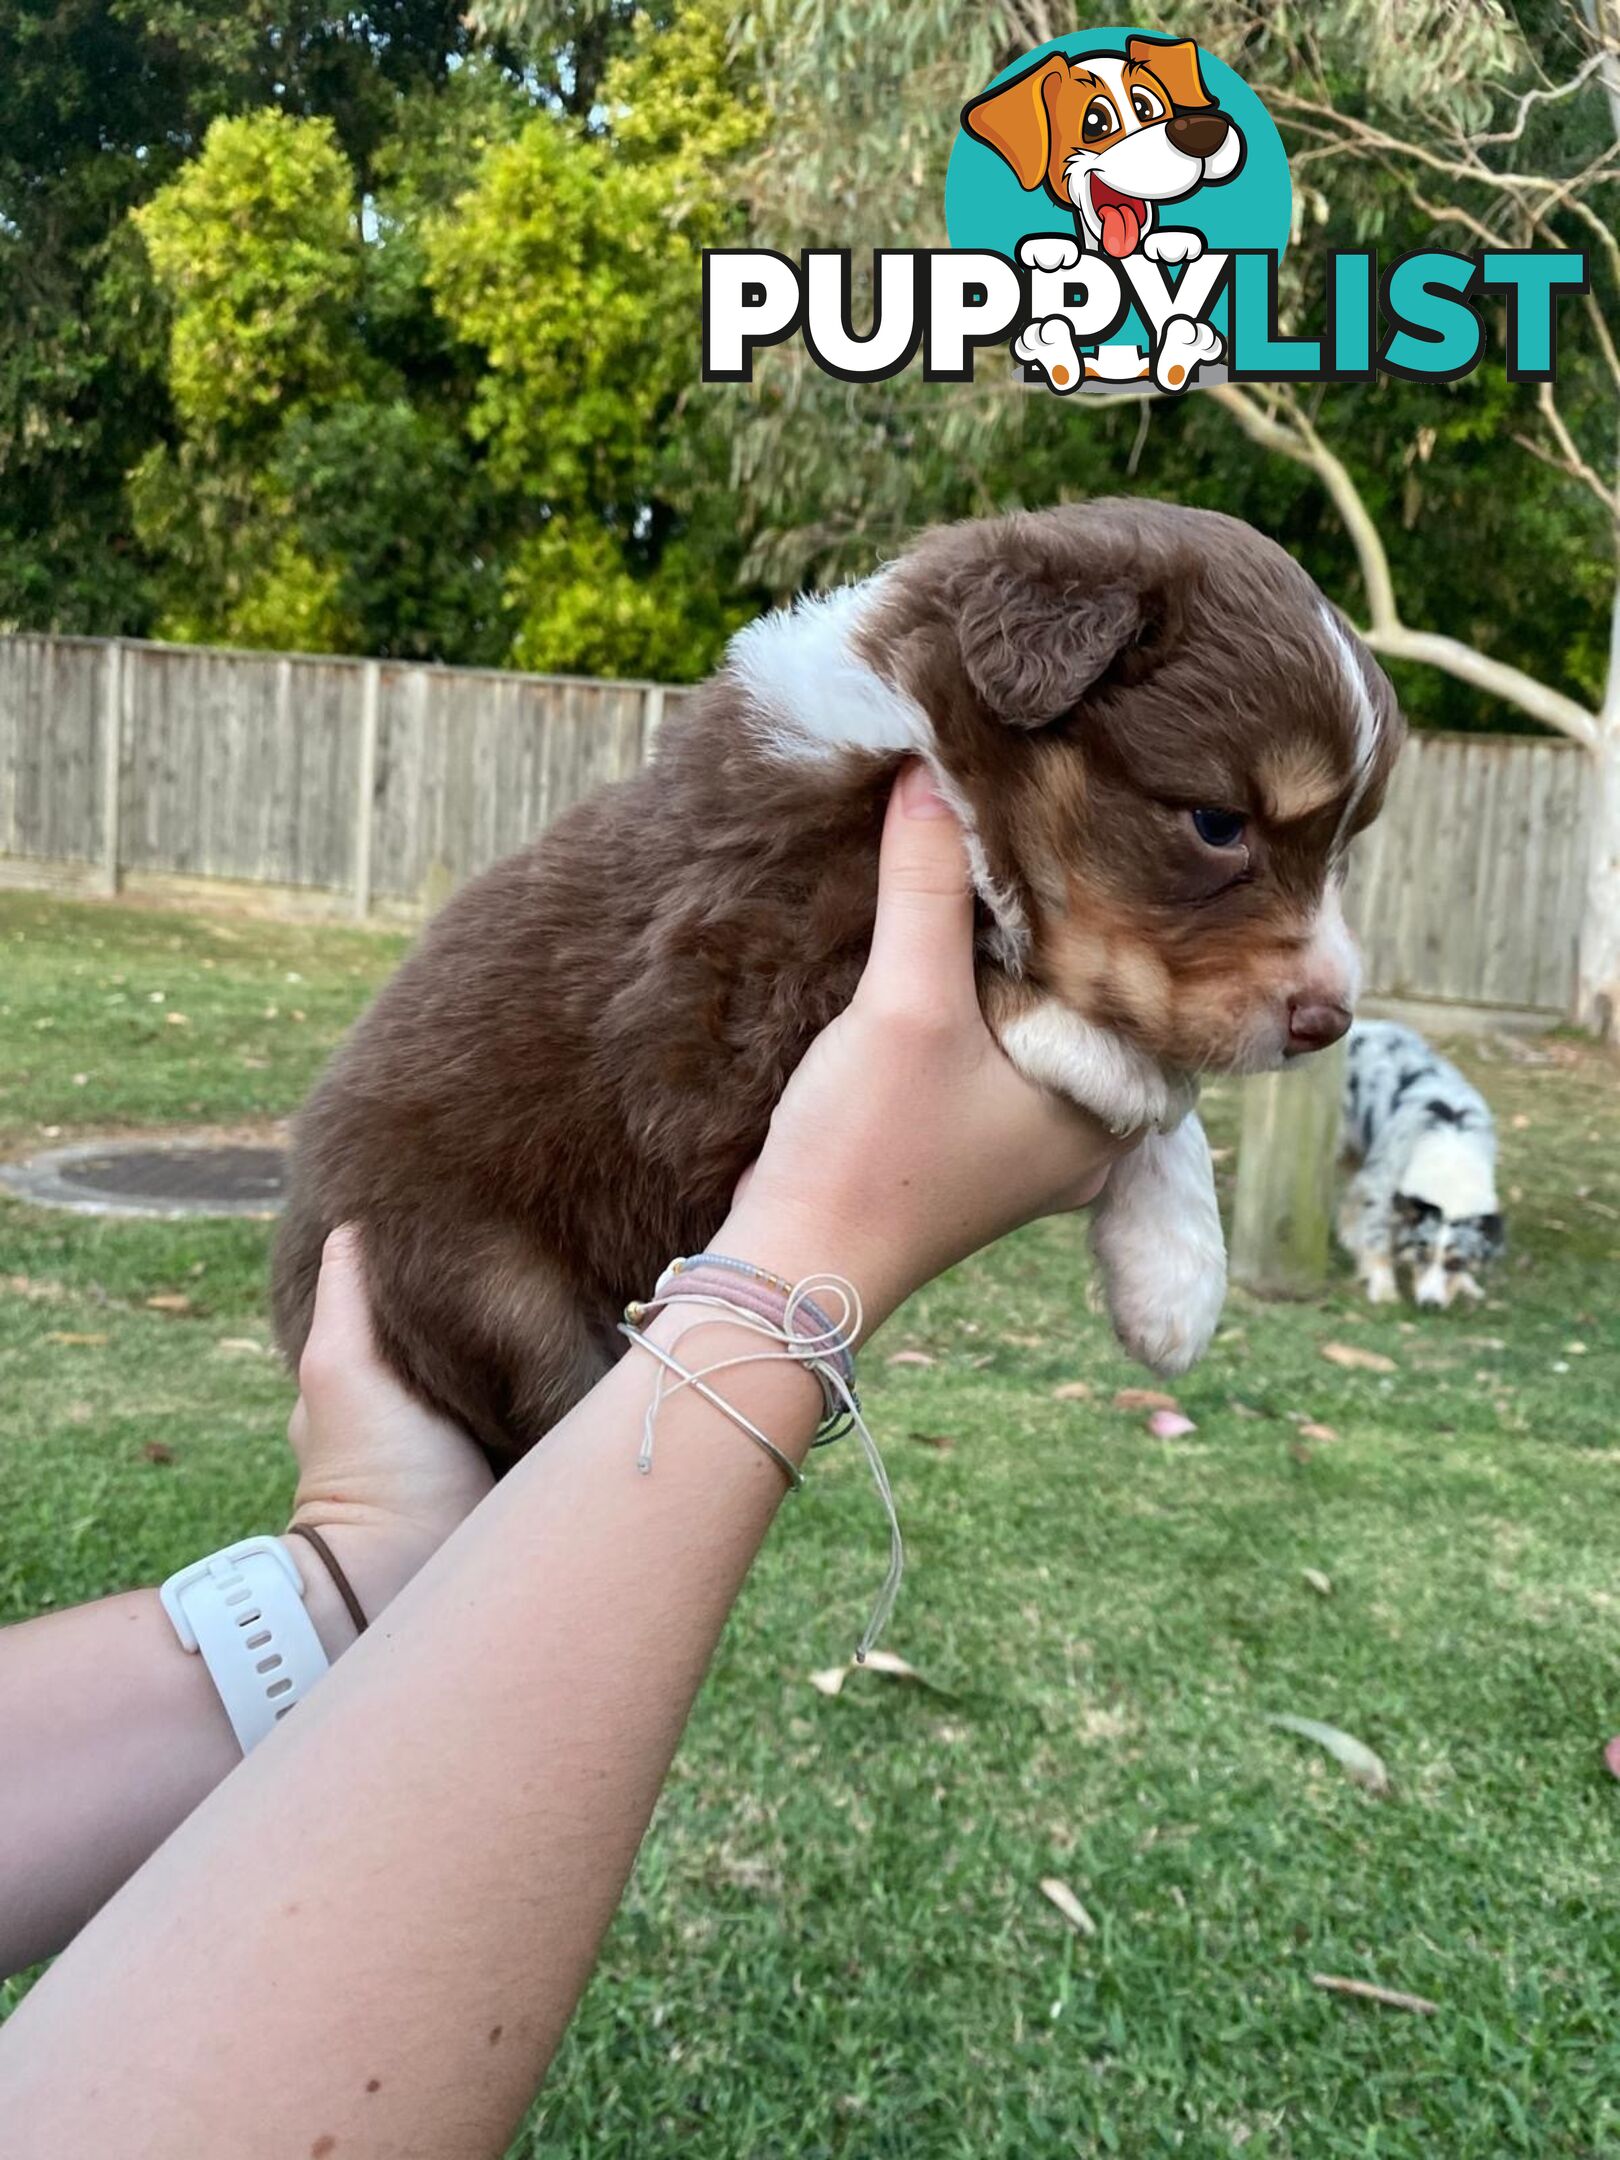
1099 1070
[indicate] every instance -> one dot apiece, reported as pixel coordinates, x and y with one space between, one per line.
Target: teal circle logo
1105 160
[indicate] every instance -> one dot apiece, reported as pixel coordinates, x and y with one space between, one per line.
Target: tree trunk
1282 1219
1598 994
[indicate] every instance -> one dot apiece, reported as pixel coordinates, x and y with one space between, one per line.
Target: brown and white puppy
1159 738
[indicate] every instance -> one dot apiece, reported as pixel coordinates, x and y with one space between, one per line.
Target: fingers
922 942
340 1332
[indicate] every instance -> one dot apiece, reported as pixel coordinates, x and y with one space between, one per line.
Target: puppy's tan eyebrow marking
1298 782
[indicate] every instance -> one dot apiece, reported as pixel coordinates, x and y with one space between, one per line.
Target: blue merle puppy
1424 1195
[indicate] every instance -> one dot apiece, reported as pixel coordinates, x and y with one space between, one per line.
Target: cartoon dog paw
1183 349
1048 251
1049 346
1173 246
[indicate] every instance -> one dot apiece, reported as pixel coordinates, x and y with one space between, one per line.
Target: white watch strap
243 1610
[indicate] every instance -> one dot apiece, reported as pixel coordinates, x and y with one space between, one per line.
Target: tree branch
1294 437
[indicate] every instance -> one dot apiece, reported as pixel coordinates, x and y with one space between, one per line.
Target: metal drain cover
147 1177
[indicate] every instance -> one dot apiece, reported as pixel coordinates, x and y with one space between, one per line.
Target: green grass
834 1943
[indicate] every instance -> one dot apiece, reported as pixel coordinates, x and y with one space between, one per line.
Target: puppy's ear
1016 120
1176 65
1030 650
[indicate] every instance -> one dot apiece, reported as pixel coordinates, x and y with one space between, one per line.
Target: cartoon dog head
1110 137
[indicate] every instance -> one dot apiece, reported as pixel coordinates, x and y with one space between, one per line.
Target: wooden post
652 717
1282 1219
112 760
366 787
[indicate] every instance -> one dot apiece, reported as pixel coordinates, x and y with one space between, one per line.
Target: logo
1120 170
1118 203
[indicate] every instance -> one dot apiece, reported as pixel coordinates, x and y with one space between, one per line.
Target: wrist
796 1241
378 1560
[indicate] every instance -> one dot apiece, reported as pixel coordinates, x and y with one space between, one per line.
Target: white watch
242 1609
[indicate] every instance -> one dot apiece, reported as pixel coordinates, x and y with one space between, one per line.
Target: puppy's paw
1169 1330
1183 349
1378 1279
1173 246
1156 1233
1049 346
1048 251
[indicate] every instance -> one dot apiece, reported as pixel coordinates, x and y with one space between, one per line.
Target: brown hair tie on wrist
345 1591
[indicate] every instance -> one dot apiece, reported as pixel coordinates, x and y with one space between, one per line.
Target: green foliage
573 268
255 248
101 103
377 331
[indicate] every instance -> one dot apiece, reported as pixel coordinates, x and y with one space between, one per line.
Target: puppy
1110 139
1159 739
1424 1197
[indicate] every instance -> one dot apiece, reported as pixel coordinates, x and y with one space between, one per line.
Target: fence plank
252 767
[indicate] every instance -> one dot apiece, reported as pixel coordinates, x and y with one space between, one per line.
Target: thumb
922 941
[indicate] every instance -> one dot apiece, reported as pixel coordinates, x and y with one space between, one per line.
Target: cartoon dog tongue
1121 226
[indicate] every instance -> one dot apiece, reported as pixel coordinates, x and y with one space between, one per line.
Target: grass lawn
835 1943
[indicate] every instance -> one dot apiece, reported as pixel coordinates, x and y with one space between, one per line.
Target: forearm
403 1891
110 1734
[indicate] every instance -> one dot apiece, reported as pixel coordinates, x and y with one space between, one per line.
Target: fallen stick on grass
1365 1991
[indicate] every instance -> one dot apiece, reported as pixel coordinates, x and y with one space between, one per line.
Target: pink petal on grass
1169 1425
1611 1755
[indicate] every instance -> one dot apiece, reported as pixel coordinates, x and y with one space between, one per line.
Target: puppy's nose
1313 1026
1200 134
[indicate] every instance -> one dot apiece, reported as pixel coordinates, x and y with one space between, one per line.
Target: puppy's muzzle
1313 1024
1199 134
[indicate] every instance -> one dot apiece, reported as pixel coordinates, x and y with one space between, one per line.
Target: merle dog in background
1424 1196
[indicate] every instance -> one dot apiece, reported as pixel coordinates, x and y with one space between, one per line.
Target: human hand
906 1140
383 1479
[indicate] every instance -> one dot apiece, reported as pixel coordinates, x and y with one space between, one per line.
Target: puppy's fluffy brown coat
559 1089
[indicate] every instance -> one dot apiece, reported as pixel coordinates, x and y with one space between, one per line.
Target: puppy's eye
1146 107
1101 119
1219 828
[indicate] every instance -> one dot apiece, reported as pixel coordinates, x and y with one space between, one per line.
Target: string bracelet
795 1321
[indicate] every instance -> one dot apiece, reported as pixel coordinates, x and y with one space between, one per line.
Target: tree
572 267
255 248
101 102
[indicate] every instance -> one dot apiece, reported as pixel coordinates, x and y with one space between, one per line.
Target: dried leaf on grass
1317 1581
1365 1991
1354 1359
909 1357
1074 1391
1312 1431
941 1443
1144 1398
1059 1894
158 1451
242 1345
830 1681
66 1339
1358 1760
174 1301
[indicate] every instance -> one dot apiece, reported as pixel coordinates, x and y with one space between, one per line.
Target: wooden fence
374 785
